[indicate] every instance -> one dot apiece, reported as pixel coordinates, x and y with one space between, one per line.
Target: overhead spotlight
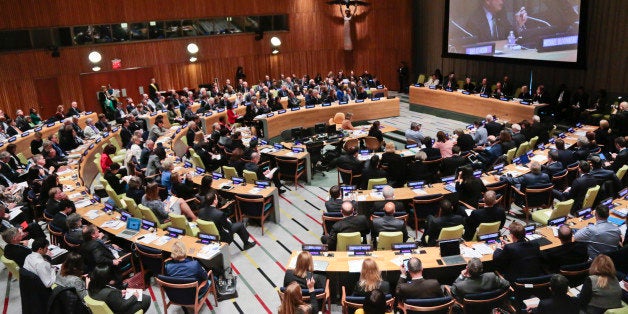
193 59
94 57
96 69
275 41
275 51
192 48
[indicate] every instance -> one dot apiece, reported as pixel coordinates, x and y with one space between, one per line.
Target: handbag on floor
226 286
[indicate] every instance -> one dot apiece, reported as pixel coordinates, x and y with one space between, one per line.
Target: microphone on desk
540 21
461 28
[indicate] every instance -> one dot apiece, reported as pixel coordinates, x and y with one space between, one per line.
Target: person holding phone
473 280
303 272
412 285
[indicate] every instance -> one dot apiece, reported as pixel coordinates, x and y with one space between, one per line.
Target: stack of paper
355 266
208 251
92 214
482 248
83 203
162 240
419 191
469 252
148 238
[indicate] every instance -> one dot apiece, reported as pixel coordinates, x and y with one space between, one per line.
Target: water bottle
511 39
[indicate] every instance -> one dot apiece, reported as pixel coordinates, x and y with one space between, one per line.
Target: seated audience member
560 302
349 223
601 290
602 237
111 175
565 156
432 81
531 179
183 267
431 152
446 219
37 143
568 253
472 280
519 258
505 141
38 262
105 157
370 279
491 212
602 175
517 136
96 252
414 133
292 302
492 127
395 166
444 144
154 166
90 130
418 170
469 187
15 249
348 160
74 235
226 229
450 165
151 200
480 135
464 141
525 94
135 189
263 174
388 223
346 123
71 274
166 172
389 197
117 300
182 185
303 271
412 285
579 186
374 303
371 170
375 132
621 158
55 196
59 221
553 166
335 200
483 88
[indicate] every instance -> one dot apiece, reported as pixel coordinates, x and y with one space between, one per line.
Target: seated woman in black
235 160
505 140
118 185
115 299
135 189
375 132
371 171
432 153
303 271
469 187
370 279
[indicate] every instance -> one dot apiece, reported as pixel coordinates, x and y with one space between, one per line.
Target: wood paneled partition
381 37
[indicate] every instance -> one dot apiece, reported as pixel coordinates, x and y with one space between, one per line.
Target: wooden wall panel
607 51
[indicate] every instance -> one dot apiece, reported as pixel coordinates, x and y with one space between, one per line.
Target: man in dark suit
125 132
96 252
492 127
553 166
537 128
191 133
436 224
15 250
621 158
55 195
483 88
473 280
209 212
489 213
533 178
517 136
468 85
560 302
518 259
262 174
74 110
603 175
578 189
416 287
568 253
59 220
388 223
489 21
465 141
449 165
349 160
334 203
565 156
349 223
153 89
581 151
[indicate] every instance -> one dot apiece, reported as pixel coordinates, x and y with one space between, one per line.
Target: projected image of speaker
320 128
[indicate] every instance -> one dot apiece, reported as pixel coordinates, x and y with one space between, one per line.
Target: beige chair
486 228
208 227
386 239
561 209
148 214
510 155
180 222
523 148
372 143
451 233
12 266
621 172
374 182
229 172
347 238
533 142
131 207
589 198
249 176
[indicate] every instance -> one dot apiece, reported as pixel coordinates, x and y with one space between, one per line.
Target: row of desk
473 104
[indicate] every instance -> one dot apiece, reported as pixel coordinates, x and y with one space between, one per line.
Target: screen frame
581 60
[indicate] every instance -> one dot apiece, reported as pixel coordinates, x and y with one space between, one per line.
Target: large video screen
533 30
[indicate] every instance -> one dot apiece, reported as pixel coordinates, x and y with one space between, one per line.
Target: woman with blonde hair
292 302
370 279
600 291
303 271
180 266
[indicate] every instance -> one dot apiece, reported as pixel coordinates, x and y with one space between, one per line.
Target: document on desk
254 190
574 292
361 198
83 203
355 266
482 248
469 252
162 240
14 212
113 224
539 158
208 251
419 191
377 195
147 238
92 214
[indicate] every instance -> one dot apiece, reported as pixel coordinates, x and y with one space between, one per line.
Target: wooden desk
473 104
149 119
367 110
23 142
211 117
88 170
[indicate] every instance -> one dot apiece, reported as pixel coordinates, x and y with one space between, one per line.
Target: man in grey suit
472 280
533 178
388 223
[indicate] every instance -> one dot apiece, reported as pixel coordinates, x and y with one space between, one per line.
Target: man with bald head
349 223
388 192
388 223
491 212
568 253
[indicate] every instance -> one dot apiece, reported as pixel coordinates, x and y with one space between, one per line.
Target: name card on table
380 86
174 232
418 85
87 113
484 95
217 175
295 108
146 224
470 126
449 90
432 86
219 110
153 114
415 145
86 152
364 152
523 102
578 125
263 142
571 130
359 100
268 115
50 124
200 170
375 99
309 106
297 149
416 185
281 111
91 146
562 135
541 146
207 238
503 98
237 180
37 129
105 134
187 164
26 133
262 184
341 103
278 146
12 139
208 113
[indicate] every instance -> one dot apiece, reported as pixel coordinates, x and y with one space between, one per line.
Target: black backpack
65 300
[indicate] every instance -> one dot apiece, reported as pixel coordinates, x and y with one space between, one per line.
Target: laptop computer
132 228
450 252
